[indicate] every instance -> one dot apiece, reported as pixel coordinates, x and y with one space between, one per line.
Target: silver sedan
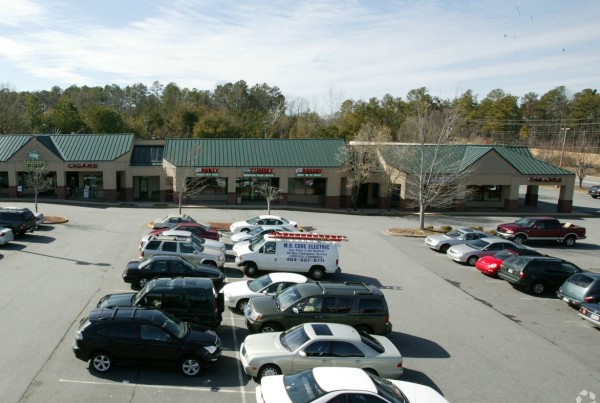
443 242
471 251
313 345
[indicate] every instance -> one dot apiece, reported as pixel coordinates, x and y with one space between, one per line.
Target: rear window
371 342
580 280
516 262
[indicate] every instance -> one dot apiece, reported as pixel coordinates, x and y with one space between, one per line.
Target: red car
490 265
196 228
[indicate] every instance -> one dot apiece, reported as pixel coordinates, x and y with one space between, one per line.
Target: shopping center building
118 168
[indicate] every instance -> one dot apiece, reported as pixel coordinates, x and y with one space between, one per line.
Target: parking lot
473 338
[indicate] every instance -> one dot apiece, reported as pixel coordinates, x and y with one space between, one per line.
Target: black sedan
138 273
594 191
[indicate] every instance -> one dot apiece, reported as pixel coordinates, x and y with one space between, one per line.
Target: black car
19 220
536 273
138 273
144 336
594 191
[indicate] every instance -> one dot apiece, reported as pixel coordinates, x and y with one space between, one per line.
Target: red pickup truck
541 229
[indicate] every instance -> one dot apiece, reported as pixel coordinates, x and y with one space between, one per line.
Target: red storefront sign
206 171
304 172
82 166
258 171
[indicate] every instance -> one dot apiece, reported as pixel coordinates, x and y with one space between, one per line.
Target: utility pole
562 151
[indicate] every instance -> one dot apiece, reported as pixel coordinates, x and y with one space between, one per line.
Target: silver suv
186 247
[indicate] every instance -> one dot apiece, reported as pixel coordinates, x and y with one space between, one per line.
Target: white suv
186 247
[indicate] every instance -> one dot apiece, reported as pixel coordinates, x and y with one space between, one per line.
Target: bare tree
36 177
434 173
359 158
270 193
185 182
582 160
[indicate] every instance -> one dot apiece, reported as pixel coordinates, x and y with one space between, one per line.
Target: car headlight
255 316
493 265
509 231
458 253
210 349
229 297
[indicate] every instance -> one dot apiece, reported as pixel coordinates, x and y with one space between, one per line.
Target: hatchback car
139 273
471 251
319 344
237 295
536 273
490 265
143 336
261 220
342 384
579 288
172 220
6 235
443 242
594 191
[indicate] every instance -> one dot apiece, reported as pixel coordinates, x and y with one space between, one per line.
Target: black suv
144 336
360 305
536 273
138 273
19 220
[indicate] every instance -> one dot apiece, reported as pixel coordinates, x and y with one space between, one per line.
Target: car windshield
197 243
388 390
137 297
294 338
255 231
259 283
198 239
175 326
253 220
256 243
524 222
302 387
504 254
478 244
456 234
287 298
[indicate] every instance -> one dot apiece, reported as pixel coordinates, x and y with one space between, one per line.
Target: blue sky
321 51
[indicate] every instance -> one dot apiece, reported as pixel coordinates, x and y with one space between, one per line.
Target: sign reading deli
545 179
258 171
204 171
82 166
306 172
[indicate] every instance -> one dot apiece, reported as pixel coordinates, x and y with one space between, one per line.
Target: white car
171 221
471 251
207 243
443 242
262 220
6 235
334 384
236 295
259 231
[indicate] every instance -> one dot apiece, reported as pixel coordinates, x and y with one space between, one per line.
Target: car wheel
101 362
538 287
142 282
250 269
444 248
241 305
472 260
210 263
570 241
595 196
268 370
519 240
364 328
190 366
270 327
317 273
244 230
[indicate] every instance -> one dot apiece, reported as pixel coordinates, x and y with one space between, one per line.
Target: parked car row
524 267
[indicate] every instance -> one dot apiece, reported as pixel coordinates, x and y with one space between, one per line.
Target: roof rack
367 290
307 236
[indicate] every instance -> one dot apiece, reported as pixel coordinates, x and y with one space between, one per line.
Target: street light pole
562 151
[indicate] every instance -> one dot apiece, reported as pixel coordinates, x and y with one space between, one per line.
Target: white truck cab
298 252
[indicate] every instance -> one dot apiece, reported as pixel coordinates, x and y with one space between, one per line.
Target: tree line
237 110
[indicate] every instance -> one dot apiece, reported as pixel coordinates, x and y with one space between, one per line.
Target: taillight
521 274
337 262
583 310
589 299
387 318
399 365
142 255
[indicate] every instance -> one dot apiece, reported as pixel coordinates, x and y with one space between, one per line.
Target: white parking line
137 385
237 355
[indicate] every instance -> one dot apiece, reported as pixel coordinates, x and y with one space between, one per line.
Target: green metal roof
10 144
453 158
92 147
253 152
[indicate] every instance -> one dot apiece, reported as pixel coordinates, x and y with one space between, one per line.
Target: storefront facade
117 168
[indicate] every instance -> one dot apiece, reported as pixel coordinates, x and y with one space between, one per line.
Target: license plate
510 270
595 317
565 299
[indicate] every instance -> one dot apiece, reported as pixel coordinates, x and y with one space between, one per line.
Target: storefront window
4 183
307 186
208 186
484 193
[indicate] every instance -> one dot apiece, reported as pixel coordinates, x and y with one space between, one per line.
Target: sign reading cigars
82 165
258 171
306 172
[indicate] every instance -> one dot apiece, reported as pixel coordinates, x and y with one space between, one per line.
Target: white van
299 252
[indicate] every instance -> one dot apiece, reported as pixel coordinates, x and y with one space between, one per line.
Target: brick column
511 205
564 206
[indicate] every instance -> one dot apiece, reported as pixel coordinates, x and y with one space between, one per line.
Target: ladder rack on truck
308 237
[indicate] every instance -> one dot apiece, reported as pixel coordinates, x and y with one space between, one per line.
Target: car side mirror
301 353
261 250
295 310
